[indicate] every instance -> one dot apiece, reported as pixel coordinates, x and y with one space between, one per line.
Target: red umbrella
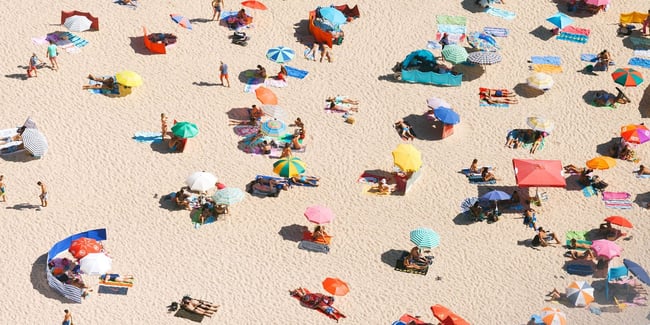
83 246
266 96
254 4
538 173
336 286
446 316
619 221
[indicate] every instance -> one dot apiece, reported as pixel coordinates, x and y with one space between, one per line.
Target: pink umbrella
597 2
319 214
605 248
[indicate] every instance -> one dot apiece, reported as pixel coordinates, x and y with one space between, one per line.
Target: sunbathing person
538 141
286 152
573 244
414 260
181 199
318 301
530 218
496 93
604 59
500 100
487 175
404 129
307 180
382 187
319 235
577 255
473 168
512 140
477 212
556 295
13 138
104 83
342 100
260 72
572 169
113 277
643 170
342 107
542 238
265 146
198 306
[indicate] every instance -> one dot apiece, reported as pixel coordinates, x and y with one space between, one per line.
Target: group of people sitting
188 200
587 177
518 137
624 150
415 260
69 272
498 96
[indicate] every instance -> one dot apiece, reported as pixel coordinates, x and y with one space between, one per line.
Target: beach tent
417 58
158 48
418 67
95 21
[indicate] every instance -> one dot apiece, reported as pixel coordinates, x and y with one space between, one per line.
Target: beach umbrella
540 124
538 173
319 214
128 78
637 270
35 142
336 286
273 128
496 195
289 167
446 115
602 162
274 111
185 130
560 20
228 196
446 316
597 2
468 203
482 42
333 15
454 53
540 80
435 102
77 23
254 4
83 246
95 264
627 77
553 316
266 96
619 221
407 157
30 124
182 21
425 237
635 133
605 248
484 58
580 293
280 54
201 181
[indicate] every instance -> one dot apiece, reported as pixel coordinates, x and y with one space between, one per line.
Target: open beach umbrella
95 264
182 21
496 195
83 246
627 77
602 162
273 128
185 130
560 20
597 2
333 15
454 53
280 54
482 41
540 80
468 203
619 221
538 173
336 286
635 133
446 115
605 248
580 293
77 23
484 58
637 270
128 78
446 316
435 102
201 181
425 237
228 196
319 214
407 157
289 167
553 316
540 124
266 96
254 4
274 111
35 142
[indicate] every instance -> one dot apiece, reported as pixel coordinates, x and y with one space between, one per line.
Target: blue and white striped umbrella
425 237
273 128
280 54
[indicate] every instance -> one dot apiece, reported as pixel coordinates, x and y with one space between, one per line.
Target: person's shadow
18 76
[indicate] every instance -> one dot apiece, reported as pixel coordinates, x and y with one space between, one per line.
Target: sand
99 177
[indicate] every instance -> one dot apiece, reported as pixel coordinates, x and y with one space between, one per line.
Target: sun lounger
311 246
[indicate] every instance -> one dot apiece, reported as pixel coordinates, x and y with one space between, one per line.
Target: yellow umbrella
128 78
407 158
602 162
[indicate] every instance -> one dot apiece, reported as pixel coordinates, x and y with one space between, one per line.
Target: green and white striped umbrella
228 196
425 237
454 53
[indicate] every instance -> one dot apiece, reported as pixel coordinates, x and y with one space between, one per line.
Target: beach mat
496 31
505 14
588 191
621 205
571 37
75 40
483 103
639 62
399 266
147 137
277 83
112 290
588 57
581 269
642 53
313 247
611 196
296 73
547 68
196 218
552 60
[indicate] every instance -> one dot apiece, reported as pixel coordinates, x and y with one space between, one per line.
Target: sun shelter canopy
158 48
95 21
538 173
418 58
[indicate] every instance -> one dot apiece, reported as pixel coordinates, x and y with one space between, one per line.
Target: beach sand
98 177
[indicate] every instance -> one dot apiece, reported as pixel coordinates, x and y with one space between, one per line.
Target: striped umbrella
185 130
425 237
280 54
482 42
553 316
273 128
77 23
468 203
34 141
580 293
627 77
635 133
182 21
484 58
454 53
540 124
274 111
540 80
289 166
228 196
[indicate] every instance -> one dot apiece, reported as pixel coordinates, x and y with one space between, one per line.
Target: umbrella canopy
35 142
182 21
319 214
95 264
484 58
201 181
280 54
425 237
83 246
553 316
637 270
77 23
597 2
289 167
468 203
605 248
185 130
446 115
446 316
482 41
496 195
336 286
560 20
635 133
602 162
454 53
254 4
580 293
627 77
540 124
274 111
538 173
619 221
540 80
266 96
333 15
273 128
435 102
228 196
128 78
407 157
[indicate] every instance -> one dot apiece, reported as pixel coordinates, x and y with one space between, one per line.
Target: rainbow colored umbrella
289 167
336 286
635 133
627 77
182 21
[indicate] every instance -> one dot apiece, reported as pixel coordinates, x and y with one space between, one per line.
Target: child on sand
34 63
163 125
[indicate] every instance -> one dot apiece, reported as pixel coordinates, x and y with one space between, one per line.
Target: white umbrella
77 23
540 80
201 181
35 142
274 111
95 264
435 102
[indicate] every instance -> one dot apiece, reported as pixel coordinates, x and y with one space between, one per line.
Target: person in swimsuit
286 152
223 73
497 93
643 170
343 107
282 74
308 180
404 130
104 83
342 99
414 260
310 52
326 52
266 147
199 306
542 238
487 175
319 235
67 319
216 9
43 195
261 72
34 62
500 100
52 53
317 301
3 190
113 277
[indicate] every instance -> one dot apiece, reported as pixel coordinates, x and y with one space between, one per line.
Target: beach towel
570 37
483 103
496 31
576 30
588 191
452 29
147 137
295 73
582 269
74 39
313 246
576 234
116 284
612 196
40 40
588 57
434 45
277 83
114 91
451 20
642 53
639 62
546 68
622 205
551 60
642 176
505 14
252 84
478 180
196 219
113 290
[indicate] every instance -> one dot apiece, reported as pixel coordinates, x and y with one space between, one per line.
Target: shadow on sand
39 280
292 232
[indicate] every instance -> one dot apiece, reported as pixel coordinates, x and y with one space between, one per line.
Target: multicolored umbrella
83 246
538 173
201 181
319 214
540 80
254 4
128 78
77 23
605 248
95 264
635 133
274 111
482 42
637 270
35 142
446 115
627 77
454 53
280 54
333 15
540 124
273 128
435 102
228 196
336 286
553 316
580 293
619 221
425 237
597 2
185 130
407 157
484 58
446 316
560 20
266 96
602 162
182 21
289 166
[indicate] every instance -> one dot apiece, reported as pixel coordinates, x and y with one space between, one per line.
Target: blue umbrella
637 270
560 20
333 15
280 54
495 196
446 115
425 237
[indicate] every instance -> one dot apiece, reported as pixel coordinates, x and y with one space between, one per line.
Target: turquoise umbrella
273 128
228 196
425 237
560 20
185 130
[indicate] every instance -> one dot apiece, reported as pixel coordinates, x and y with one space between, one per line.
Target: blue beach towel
295 73
588 191
552 60
505 14
452 29
434 45
147 137
76 40
496 31
640 62
483 103
576 38
588 57
113 290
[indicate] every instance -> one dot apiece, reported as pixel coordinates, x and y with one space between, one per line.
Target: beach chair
619 274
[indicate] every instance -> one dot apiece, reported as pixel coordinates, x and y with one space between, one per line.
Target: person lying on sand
500 100
342 99
572 169
104 83
342 107
318 301
113 277
573 243
643 170
404 130
497 93
577 255
198 306
308 180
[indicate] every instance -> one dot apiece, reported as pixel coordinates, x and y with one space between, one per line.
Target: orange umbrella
446 316
619 221
254 4
635 133
83 246
266 96
336 286
602 162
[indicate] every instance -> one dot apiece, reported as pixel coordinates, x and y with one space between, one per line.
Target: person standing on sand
33 65
3 191
163 125
216 8
67 319
223 73
43 195
52 53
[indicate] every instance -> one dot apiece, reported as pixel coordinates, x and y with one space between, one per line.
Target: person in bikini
317 301
113 277
343 107
404 130
414 260
500 100
307 180
496 93
104 83
342 99
199 306
216 9
319 235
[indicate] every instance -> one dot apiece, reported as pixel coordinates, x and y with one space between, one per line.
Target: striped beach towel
642 53
496 31
570 37
505 14
75 40
454 26
623 205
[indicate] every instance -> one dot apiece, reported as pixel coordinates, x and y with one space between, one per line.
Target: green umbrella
185 130
454 53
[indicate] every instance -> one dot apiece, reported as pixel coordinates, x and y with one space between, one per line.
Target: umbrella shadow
572 183
463 219
391 256
642 199
238 113
526 91
472 6
161 147
23 206
20 156
609 148
644 104
246 75
470 71
137 44
292 232
205 84
302 34
589 96
423 129
166 202
627 42
39 280
542 33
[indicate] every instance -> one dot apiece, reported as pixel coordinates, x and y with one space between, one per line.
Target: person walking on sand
43 195
52 53
67 319
3 191
163 125
223 73
216 8
34 62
